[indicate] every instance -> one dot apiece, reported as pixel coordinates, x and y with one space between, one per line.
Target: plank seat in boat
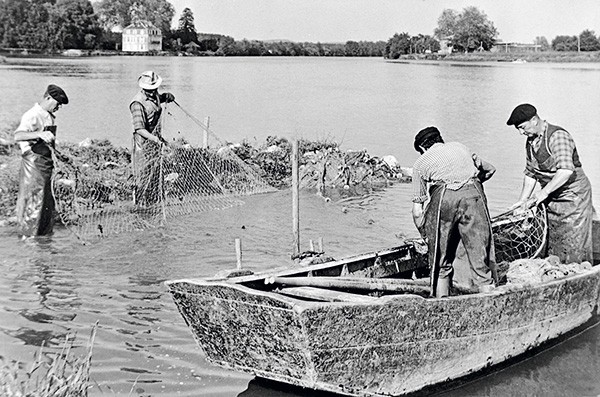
325 295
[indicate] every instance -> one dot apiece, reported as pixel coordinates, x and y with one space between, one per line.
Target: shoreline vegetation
500 56
54 372
107 27
325 169
12 55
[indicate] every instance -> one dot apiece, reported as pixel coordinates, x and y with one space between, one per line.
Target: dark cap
426 134
521 114
57 93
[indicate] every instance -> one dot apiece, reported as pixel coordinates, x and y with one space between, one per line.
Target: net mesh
520 236
100 190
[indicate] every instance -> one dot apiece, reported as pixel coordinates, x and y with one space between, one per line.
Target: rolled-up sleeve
419 186
138 116
529 168
562 147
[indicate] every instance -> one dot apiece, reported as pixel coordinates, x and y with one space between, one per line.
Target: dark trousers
455 216
35 203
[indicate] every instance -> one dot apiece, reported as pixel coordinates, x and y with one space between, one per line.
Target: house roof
141 25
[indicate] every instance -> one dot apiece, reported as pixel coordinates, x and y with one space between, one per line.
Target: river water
57 285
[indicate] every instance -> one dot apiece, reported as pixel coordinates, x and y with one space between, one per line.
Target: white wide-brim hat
149 80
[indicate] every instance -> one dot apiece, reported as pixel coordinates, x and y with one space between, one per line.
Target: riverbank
517 57
324 168
493 56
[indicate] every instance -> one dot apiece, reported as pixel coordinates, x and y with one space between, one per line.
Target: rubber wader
443 288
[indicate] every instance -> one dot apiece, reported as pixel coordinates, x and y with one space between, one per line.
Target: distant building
515 47
142 36
445 45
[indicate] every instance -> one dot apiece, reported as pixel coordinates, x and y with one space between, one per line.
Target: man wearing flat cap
35 135
456 211
146 111
552 162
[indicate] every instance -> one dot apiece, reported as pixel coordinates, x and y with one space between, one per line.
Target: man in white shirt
449 177
35 135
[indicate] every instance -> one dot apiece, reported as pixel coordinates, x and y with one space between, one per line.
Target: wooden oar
369 284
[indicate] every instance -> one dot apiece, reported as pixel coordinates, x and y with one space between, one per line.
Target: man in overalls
146 114
553 162
36 135
456 212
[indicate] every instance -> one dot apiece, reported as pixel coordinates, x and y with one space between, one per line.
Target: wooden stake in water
238 252
295 198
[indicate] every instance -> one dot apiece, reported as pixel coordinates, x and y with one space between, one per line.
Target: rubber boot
443 288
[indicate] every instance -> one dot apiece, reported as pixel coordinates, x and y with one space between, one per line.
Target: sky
374 20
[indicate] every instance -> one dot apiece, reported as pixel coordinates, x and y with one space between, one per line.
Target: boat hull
392 345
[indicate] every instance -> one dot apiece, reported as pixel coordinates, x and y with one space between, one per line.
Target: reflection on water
54 286
259 387
570 368
46 294
142 342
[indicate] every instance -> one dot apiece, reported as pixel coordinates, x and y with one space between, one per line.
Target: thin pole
295 198
238 252
161 165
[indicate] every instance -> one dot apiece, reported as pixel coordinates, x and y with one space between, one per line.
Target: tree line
56 25
471 30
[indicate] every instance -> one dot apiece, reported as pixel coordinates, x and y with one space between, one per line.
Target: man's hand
46 136
51 128
539 197
160 140
167 97
485 169
520 207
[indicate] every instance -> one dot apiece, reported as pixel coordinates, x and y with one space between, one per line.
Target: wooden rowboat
362 326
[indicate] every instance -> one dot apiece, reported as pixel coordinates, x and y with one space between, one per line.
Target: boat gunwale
302 304
287 270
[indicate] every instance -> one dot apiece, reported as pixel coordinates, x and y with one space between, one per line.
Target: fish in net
99 192
521 235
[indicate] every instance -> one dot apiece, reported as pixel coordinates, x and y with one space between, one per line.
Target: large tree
48 24
23 23
112 13
75 25
397 45
564 43
588 41
447 23
186 31
468 31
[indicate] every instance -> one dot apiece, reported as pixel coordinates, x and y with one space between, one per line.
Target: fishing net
100 190
520 236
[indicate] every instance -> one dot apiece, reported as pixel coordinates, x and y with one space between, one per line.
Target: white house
142 36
